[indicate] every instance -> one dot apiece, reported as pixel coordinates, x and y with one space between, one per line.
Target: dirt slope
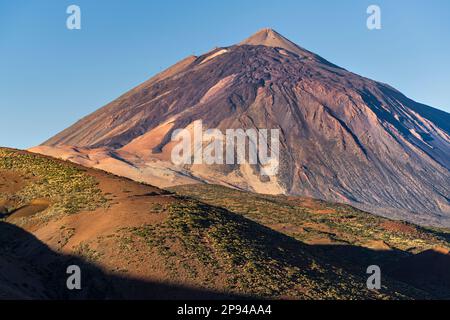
137 241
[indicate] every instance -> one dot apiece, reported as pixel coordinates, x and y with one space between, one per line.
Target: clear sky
51 76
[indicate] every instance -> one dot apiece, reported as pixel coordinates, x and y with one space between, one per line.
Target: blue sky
51 76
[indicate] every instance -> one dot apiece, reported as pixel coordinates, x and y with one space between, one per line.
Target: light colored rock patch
218 53
270 187
217 88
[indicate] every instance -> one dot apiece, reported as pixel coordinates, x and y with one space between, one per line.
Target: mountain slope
133 240
343 137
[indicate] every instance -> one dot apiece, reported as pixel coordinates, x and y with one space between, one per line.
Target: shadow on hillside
358 257
427 271
31 270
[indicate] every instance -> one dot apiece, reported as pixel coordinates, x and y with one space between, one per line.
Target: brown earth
34 207
399 227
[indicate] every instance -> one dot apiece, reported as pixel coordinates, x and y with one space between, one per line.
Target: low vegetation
346 237
216 248
315 221
65 186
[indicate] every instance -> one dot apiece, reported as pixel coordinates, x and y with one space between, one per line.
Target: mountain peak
271 38
263 37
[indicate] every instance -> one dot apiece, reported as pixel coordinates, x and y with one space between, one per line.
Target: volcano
343 137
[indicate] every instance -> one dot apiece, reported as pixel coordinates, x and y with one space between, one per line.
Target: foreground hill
343 138
133 240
